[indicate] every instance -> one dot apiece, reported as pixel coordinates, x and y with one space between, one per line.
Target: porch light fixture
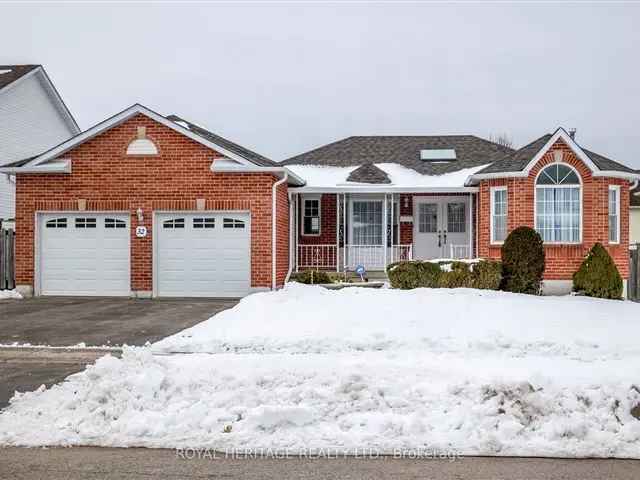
140 215
406 202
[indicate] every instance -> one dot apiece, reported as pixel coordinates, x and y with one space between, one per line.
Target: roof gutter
53 167
475 179
294 179
384 189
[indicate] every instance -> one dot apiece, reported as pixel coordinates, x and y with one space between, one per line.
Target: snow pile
379 400
308 319
400 176
10 294
478 372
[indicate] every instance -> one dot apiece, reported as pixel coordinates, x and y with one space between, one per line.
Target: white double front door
441 227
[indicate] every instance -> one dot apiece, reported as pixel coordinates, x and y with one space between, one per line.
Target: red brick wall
111 180
561 260
327 221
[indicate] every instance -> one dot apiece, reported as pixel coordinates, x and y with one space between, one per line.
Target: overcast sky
284 78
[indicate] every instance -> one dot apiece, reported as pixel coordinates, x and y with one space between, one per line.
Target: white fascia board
63 166
563 135
474 179
55 96
385 189
122 117
257 169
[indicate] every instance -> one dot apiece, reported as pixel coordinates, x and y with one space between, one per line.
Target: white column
470 225
384 230
337 232
297 209
345 207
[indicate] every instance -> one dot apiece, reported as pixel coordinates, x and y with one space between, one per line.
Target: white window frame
535 202
615 188
305 199
493 209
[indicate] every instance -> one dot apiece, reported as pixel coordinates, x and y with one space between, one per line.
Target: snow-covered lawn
474 371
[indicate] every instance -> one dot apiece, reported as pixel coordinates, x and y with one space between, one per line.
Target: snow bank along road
483 373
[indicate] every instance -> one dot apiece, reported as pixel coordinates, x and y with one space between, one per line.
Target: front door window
367 222
441 228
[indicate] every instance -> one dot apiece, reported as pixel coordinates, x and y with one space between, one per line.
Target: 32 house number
141 232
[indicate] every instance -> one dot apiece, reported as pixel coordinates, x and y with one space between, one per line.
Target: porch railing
459 251
371 256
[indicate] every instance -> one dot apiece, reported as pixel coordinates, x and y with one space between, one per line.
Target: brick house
375 200
147 205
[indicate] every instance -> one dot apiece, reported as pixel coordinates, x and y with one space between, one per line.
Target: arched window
142 146
559 204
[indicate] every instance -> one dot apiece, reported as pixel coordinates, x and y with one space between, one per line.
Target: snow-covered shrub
487 275
523 261
414 274
598 275
482 274
458 276
311 277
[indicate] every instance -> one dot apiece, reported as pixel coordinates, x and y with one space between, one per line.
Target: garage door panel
203 258
76 260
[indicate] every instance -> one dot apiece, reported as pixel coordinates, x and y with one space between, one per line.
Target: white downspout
293 247
274 188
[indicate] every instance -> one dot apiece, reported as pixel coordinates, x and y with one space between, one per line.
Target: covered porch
341 230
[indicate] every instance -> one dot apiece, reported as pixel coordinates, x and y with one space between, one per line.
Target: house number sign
141 232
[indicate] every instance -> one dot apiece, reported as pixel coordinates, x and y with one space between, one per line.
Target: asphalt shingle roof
368 173
14 73
471 151
518 160
223 142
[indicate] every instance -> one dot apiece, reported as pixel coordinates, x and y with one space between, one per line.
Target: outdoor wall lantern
140 215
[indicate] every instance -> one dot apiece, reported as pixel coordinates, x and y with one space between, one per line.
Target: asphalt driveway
65 321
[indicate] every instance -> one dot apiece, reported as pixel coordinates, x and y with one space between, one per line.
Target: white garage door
203 254
84 254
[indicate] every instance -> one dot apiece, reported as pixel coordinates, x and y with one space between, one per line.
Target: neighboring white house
33 118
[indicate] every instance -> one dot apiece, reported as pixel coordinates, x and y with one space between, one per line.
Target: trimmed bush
459 276
311 277
523 261
414 274
598 275
487 275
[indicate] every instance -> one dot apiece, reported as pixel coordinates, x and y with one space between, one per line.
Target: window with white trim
114 223
614 214
311 216
173 223
558 204
206 222
232 223
499 209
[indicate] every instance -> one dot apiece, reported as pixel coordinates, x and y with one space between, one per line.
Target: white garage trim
191 213
38 234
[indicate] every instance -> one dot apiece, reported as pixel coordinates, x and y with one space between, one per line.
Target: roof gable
520 162
368 173
227 150
14 74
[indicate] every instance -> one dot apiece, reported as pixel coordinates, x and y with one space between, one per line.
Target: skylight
438 154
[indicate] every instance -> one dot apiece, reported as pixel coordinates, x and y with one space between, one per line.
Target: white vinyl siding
614 214
30 123
499 214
